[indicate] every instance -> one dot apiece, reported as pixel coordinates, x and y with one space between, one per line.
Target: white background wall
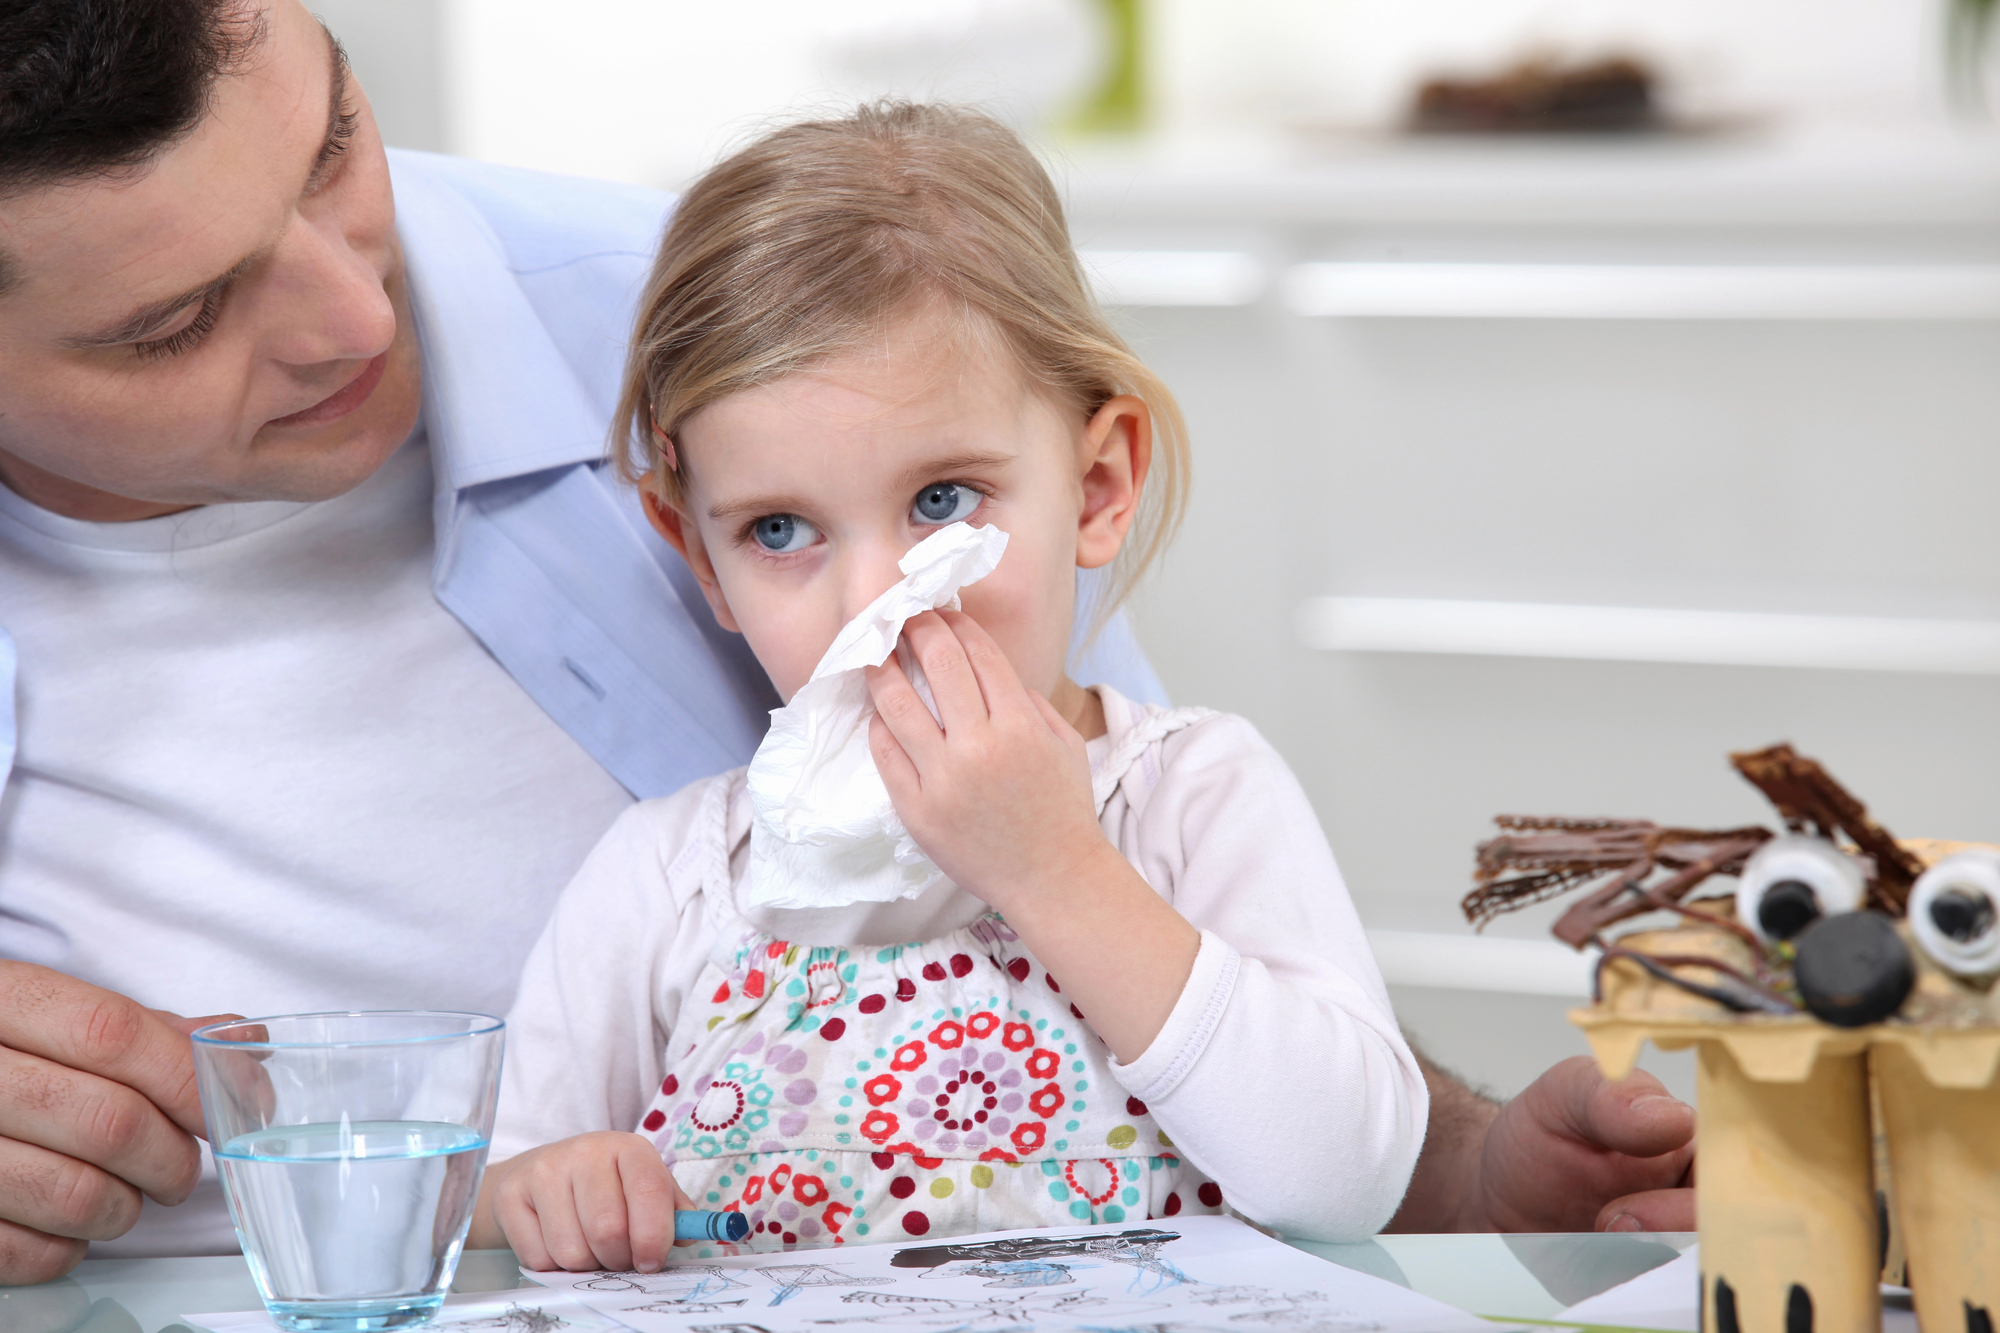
650 90
1761 465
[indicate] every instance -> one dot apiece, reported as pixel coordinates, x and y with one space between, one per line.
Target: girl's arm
1000 798
1248 1013
586 1039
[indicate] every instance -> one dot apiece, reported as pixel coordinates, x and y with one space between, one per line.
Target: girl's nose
871 571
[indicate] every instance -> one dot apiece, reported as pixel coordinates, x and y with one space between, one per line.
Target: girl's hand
999 796
596 1201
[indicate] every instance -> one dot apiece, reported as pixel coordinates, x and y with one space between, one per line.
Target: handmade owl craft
1840 994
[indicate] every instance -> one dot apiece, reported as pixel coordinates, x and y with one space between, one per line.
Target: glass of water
350 1148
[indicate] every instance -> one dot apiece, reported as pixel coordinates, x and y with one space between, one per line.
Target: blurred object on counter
1119 104
1968 50
1542 95
1029 62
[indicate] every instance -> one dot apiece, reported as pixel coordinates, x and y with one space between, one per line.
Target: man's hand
602 1200
97 1107
1573 1152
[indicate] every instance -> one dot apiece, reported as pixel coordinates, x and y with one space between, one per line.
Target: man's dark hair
94 87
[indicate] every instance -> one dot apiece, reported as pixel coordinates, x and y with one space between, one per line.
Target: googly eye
1791 882
1955 913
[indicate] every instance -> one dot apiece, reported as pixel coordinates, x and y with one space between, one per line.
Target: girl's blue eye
945 502
784 533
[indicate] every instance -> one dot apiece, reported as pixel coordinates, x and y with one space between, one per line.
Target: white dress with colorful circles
831 1086
945 1086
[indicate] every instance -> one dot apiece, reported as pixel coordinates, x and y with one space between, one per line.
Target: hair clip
666 446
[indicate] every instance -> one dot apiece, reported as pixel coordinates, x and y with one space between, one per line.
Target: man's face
230 324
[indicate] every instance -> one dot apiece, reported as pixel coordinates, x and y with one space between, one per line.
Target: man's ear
1117 451
684 537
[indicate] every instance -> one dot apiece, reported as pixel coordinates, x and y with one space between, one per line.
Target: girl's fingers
650 1199
900 708
999 687
523 1230
899 775
940 649
602 1215
1058 724
548 1209
682 1203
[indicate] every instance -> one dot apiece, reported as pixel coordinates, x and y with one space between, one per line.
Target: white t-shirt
261 769
1281 1072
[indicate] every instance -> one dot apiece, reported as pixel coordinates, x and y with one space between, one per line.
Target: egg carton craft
1841 1001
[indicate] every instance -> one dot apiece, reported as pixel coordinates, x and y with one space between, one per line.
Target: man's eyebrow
144 320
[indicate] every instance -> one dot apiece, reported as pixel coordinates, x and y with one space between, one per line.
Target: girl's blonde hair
793 250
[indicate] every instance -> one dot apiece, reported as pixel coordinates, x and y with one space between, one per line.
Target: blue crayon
700 1224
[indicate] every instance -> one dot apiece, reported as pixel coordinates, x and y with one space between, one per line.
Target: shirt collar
500 400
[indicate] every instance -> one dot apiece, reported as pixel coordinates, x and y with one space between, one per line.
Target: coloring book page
1192 1275
523 1310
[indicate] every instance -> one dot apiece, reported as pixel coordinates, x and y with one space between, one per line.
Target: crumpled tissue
826 834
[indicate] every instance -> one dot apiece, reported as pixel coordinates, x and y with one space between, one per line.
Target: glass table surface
1509 1277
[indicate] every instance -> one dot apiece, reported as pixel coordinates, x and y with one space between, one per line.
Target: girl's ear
684 537
1117 451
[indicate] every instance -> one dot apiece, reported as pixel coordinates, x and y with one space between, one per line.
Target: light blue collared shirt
524 287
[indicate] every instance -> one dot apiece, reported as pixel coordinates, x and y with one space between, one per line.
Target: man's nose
329 301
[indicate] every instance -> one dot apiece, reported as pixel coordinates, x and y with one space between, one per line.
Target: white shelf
1482 963
1643 291
1648 634
1174 277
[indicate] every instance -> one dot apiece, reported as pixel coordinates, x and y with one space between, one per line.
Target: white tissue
826 834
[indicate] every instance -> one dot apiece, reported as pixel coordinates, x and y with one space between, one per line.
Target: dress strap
1147 732
705 861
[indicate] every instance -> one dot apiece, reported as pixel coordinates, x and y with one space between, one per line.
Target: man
336 646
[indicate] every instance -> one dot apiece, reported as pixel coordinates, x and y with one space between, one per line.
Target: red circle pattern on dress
1096 1200
732 1091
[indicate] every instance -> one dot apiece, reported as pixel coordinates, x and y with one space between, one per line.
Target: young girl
1144 990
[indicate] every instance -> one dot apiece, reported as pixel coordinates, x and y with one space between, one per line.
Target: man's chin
295 463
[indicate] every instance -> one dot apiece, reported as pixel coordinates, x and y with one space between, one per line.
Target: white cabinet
1754 377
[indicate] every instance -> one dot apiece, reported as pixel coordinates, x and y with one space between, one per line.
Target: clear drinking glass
351 1147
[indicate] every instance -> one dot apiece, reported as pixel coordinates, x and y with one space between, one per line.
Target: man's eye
784 533
945 502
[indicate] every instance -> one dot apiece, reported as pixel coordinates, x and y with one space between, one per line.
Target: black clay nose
1962 915
1787 908
1853 970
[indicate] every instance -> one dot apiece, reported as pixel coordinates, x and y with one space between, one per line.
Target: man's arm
98 1106
1573 1152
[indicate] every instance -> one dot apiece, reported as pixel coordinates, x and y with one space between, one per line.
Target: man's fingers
28 1256
97 1121
61 1196
1637 1116
187 1027
1653 1210
88 1028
